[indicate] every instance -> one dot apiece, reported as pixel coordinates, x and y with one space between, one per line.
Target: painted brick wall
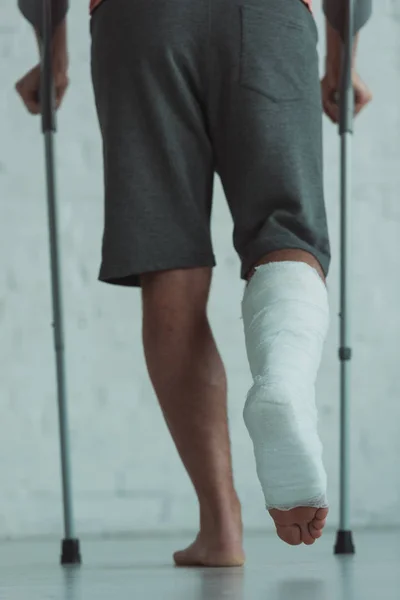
127 475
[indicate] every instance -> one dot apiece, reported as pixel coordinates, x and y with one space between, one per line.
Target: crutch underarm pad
33 11
335 11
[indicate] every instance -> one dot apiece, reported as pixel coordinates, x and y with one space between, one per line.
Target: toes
291 535
318 524
306 536
321 513
300 525
314 532
310 541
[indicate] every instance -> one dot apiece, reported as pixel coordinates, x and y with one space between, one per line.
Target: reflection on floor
137 569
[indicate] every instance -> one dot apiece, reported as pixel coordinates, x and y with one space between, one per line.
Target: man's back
335 11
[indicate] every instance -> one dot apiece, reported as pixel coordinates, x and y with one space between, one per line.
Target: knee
170 298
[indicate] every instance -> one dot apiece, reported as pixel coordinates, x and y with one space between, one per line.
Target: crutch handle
346 100
46 72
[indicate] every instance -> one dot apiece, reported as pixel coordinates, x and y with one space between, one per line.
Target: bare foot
299 525
208 552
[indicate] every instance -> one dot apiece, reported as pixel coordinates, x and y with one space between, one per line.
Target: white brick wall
127 475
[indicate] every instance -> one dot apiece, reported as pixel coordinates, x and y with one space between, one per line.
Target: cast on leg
286 318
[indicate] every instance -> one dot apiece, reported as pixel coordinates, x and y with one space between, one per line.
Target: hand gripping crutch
344 540
70 553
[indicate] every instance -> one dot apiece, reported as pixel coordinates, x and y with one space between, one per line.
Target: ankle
221 517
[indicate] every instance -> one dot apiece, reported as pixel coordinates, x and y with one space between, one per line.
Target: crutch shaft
345 348
58 327
346 130
70 546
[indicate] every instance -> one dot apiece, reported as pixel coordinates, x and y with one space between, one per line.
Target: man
183 90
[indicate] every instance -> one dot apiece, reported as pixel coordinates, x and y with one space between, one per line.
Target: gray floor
141 568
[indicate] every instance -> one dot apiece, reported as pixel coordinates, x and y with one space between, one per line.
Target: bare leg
189 379
300 525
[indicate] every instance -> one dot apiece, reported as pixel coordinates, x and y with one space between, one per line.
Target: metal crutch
344 540
70 552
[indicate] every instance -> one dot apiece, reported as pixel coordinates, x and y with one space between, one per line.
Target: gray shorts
185 89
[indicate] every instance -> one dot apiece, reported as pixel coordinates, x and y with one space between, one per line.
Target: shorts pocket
279 56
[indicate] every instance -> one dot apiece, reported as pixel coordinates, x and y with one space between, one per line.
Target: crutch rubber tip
344 543
70 553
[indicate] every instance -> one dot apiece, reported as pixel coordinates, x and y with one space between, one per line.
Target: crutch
344 540
70 551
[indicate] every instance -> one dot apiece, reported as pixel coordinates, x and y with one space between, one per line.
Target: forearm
334 47
335 11
59 35
32 11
